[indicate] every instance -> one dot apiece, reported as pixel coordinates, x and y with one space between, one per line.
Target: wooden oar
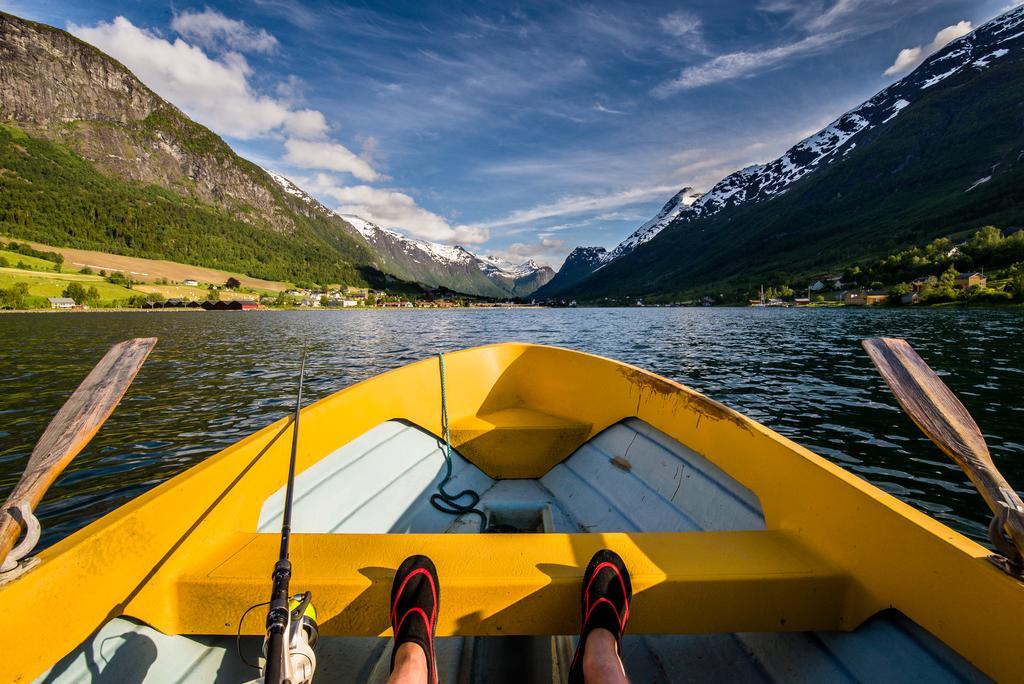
71 429
946 421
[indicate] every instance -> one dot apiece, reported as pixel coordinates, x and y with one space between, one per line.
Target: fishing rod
291 620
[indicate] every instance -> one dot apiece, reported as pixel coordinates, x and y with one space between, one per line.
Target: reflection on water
215 377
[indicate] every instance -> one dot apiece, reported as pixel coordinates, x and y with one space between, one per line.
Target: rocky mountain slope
452 267
940 150
95 159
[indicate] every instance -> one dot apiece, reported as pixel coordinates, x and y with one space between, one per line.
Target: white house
61 302
190 282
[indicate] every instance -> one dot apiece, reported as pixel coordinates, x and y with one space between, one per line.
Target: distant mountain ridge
430 263
736 229
453 267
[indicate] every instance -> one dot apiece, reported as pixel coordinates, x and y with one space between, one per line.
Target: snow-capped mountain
453 267
974 52
381 238
292 189
521 280
669 213
964 60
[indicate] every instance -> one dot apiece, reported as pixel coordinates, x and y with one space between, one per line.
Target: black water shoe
415 599
606 595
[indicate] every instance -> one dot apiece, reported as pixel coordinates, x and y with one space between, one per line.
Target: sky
516 129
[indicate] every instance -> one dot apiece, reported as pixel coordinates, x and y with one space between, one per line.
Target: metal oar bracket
12 567
1009 558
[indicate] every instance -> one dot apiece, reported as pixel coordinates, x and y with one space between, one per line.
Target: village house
190 282
967 280
853 298
61 302
825 281
357 292
876 297
917 284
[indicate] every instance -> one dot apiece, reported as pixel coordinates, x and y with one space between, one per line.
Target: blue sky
521 129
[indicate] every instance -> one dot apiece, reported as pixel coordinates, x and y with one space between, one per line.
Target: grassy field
42 284
149 270
35 263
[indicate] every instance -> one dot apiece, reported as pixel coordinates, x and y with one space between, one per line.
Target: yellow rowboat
751 557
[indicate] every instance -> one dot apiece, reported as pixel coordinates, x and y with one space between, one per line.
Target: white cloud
909 58
598 107
680 24
546 251
396 210
306 123
579 204
217 91
743 64
319 154
214 31
861 15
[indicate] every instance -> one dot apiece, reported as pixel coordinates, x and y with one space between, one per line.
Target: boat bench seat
512 443
699 582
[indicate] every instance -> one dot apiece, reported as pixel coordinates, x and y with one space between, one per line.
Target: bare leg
601 663
410 665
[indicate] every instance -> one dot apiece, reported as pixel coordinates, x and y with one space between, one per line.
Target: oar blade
946 421
927 400
91 404
75 424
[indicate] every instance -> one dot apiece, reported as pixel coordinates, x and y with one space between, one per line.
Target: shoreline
919 307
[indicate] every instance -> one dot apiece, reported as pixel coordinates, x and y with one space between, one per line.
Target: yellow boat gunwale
183 557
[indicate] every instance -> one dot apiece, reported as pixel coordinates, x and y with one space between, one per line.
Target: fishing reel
301 635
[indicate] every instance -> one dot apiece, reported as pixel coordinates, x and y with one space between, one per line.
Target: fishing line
238 633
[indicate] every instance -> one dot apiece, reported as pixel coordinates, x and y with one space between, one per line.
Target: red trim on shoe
622 624
401 588
625 595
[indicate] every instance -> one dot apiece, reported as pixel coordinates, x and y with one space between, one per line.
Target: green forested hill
101 162
50 194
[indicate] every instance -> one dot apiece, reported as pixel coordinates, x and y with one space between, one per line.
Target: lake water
218 376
